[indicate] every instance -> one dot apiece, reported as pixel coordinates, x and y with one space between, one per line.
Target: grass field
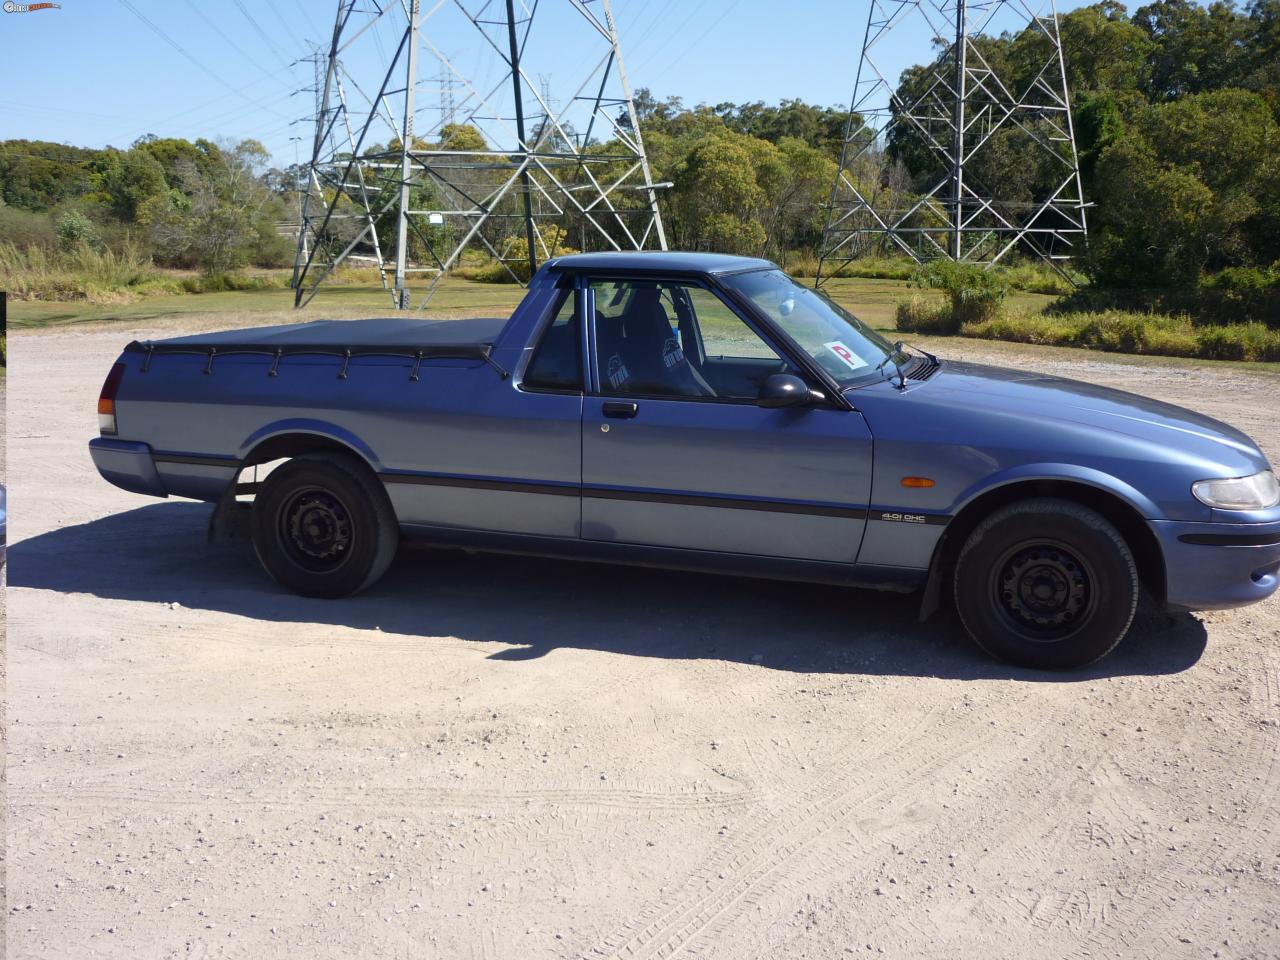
871 300
461 296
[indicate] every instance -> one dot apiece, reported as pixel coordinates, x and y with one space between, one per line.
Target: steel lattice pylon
949 119
495 165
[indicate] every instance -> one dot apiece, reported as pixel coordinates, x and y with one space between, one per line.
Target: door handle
620 409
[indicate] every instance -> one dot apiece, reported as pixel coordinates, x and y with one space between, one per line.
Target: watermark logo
11 7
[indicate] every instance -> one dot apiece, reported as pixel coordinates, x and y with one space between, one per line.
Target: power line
285 23
266 37
306 15
182 50
208 121
699 38
239 49
697 8
654 19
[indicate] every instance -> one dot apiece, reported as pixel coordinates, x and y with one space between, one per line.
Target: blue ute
706 412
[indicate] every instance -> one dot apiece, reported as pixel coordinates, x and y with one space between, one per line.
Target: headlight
1239 493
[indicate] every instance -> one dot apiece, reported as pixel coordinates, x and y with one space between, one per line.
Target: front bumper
1216 566
128 465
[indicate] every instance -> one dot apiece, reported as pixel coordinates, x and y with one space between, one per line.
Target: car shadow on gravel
158 554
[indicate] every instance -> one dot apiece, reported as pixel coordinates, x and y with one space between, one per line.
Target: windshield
839 342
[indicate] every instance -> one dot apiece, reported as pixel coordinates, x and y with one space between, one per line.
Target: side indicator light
917 482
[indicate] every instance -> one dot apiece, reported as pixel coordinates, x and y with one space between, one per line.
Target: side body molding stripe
806 508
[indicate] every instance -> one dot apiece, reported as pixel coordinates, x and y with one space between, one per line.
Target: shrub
1130 332
1024 328
1245 281
1038 277
1238 341
1233 295
973 292
75 230
929 317
495 272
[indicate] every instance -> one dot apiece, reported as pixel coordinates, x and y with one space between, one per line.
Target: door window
672 339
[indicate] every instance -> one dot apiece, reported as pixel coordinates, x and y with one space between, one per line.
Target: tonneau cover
415 339
398 332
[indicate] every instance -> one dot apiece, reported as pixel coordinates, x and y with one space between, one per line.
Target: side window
557 360
724 336
671 339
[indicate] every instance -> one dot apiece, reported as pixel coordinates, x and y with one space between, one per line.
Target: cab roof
664 261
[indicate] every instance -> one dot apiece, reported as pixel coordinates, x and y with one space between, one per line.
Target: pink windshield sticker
851 359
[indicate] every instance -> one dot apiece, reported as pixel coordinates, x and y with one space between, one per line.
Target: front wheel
1046 583
323 526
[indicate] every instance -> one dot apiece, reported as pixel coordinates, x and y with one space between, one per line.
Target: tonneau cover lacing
444 351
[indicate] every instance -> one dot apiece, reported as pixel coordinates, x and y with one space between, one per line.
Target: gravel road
491 757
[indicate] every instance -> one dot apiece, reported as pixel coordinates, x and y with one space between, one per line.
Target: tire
323 526
1047 584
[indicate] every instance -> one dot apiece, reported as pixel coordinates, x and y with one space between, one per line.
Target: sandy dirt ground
490 757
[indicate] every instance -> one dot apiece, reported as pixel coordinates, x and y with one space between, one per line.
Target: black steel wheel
1046 583
316 529
323 526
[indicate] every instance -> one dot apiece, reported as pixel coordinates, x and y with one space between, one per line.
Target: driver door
675 450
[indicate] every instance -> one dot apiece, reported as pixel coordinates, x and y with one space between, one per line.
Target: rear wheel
323 526
1046 583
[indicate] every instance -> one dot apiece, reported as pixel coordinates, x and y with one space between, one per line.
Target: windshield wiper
898 348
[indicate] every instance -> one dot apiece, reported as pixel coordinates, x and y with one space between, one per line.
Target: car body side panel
804 476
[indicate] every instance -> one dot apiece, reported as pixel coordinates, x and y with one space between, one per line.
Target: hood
1071 401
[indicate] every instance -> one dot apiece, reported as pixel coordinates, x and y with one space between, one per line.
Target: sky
104 72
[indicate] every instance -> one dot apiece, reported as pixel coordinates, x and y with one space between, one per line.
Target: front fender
1059 471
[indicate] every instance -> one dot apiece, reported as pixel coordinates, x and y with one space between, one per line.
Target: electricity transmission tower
925 164
406 186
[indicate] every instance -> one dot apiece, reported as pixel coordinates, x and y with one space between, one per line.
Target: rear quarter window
557 360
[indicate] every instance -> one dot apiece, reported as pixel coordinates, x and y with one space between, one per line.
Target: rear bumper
1216 566
128 465
135 467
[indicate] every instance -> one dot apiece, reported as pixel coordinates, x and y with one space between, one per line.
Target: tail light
107 399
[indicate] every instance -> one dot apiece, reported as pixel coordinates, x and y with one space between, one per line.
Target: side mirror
786 390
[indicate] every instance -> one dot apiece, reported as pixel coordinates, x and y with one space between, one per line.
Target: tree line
1177 117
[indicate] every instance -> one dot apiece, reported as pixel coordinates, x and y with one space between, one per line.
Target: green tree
129 179
1195 48
1182 191
220 218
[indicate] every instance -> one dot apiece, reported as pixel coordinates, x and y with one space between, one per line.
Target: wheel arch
1116 509
281 441
292 438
